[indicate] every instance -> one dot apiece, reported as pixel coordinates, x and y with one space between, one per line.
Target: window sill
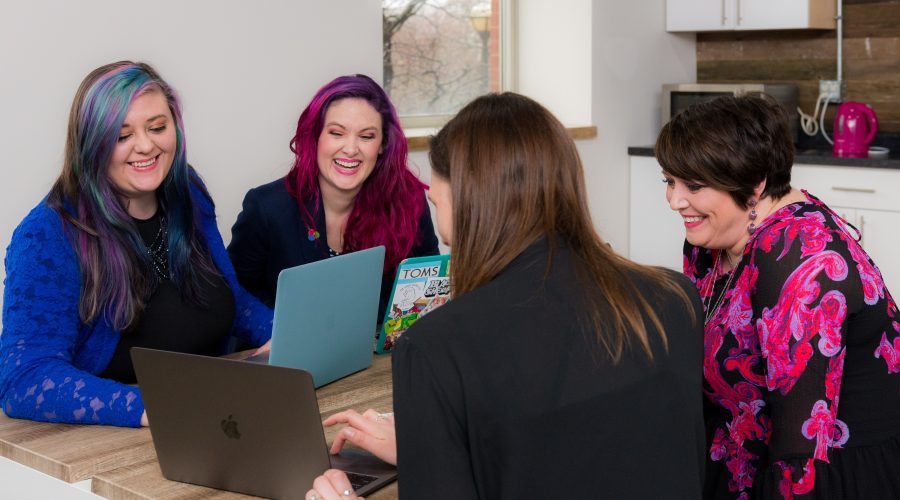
417 138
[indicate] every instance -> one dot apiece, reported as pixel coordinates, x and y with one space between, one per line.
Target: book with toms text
422 285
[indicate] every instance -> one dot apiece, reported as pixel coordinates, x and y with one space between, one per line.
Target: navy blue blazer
270 235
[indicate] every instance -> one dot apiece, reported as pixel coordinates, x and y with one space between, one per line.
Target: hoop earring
753 215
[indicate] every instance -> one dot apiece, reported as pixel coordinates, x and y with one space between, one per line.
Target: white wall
554 63
632 57
603 62
244 69
606 69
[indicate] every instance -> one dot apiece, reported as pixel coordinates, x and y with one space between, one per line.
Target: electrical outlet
831 89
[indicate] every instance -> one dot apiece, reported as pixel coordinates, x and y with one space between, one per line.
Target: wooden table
122 462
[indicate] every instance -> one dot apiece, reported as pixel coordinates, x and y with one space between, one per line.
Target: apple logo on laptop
229 427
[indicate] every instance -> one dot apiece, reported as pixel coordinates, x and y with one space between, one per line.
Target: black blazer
270 235
501 393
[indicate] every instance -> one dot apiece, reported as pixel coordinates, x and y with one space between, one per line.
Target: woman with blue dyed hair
123 252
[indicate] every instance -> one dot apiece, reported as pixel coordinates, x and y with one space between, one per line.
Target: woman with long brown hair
559 369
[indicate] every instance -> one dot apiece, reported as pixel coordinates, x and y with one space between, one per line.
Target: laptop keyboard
359 480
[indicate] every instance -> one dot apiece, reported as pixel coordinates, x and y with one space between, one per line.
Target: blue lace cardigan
49 359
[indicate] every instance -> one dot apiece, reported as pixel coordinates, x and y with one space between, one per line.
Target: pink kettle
855 125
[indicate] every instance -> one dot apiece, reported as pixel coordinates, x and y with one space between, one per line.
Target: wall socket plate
831 89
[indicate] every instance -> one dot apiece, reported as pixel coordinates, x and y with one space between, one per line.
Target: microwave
678 96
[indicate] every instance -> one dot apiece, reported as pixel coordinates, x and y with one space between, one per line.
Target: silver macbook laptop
325 315
245 427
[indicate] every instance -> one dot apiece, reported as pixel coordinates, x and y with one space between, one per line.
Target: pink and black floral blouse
801 363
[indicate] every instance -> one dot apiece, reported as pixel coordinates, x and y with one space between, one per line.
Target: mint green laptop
325 315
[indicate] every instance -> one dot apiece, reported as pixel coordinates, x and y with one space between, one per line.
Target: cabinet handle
739 16
853 190
862 229
724 18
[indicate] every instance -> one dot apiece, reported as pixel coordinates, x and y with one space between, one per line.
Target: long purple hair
116 274
388 207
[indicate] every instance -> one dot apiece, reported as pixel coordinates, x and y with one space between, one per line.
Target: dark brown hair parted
730 144
515 176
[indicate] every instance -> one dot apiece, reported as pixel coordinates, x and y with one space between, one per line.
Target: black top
500 394
270 234
170 324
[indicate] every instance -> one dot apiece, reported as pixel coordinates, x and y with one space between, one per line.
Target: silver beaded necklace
159 250
710 311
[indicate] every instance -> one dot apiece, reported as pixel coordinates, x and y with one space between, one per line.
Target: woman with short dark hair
798 318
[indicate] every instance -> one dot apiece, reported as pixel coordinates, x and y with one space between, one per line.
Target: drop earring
753 215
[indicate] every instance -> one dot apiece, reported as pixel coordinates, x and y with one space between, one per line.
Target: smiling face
348 146
144 152
711 217
440 195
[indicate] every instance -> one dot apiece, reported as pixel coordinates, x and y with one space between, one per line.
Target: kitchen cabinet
865 197
729 15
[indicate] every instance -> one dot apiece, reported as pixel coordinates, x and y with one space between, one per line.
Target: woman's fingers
340 417
342 436
332 485
340 482
371 431
370 422
263 348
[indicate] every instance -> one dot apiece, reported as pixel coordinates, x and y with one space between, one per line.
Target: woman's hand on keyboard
371 431
332 485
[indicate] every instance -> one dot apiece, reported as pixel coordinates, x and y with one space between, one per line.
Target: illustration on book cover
422 285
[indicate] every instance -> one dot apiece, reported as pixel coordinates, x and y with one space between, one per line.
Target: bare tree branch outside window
437 53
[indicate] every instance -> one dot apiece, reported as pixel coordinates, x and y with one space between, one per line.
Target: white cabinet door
771 14
656 232
726 15
866 198
881 239
699 15
846 213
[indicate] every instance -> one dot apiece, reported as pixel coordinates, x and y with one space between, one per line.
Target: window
441 54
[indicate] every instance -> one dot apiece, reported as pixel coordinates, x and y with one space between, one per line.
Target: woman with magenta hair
350 189
124 251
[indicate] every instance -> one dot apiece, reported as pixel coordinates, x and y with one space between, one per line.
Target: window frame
508 68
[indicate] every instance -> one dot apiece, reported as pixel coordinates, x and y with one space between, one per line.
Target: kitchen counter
812 157
815 151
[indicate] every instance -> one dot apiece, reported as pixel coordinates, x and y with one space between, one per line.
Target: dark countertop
815 151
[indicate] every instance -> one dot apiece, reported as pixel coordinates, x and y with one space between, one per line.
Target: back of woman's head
731 144
516 177
388 207
115 270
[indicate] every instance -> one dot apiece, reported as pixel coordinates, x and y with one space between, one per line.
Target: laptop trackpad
366 471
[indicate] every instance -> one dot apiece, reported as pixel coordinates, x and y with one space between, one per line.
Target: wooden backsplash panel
871 59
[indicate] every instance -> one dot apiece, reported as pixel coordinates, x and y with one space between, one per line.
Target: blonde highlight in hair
516 177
